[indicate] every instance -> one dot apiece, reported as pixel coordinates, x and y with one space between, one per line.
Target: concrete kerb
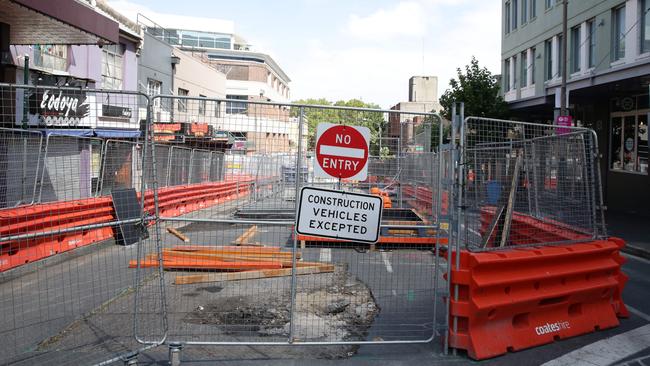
636 250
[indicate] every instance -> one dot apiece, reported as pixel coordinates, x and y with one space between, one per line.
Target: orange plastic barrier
421 198
167 127
526 229
54 216
51 217
387 202
520 298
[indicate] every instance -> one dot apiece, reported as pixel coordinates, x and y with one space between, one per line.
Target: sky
343 49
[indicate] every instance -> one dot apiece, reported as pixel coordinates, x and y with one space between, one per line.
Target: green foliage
479 89
384 152
373 120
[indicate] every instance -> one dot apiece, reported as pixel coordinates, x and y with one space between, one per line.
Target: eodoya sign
341 151
339 215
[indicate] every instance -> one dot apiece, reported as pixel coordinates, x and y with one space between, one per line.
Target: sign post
339 215
342 151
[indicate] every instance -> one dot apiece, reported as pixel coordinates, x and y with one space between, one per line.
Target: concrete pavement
633 228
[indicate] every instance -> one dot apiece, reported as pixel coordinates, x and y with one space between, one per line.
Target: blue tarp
125 134
67 132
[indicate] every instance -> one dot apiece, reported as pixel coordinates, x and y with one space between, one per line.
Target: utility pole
563 111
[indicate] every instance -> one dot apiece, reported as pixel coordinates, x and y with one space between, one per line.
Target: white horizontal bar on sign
347 152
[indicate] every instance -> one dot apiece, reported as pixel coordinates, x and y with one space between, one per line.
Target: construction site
139 251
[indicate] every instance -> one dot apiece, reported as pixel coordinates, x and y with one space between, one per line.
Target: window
548 54
645 26
112 66
575 49
523 68
51 56
532 65
202 105
154 87
560 55
506 73
514 14
549 3
533 9
506 12
618 29
182 103
217 108
630 143
591 43
237 107
513 74
524 11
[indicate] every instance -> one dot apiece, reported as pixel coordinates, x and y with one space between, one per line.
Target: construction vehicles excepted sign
342 151
339 215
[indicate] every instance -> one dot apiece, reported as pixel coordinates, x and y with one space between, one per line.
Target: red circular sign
342 151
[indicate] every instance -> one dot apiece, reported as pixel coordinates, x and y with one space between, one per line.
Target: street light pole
563 111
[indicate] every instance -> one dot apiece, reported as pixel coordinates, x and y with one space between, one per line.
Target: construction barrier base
525 297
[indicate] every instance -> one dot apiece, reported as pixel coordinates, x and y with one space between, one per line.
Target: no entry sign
342 151
339 215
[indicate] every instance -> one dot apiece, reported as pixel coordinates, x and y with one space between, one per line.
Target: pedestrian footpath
633 229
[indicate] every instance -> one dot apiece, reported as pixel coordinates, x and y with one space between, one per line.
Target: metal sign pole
295 237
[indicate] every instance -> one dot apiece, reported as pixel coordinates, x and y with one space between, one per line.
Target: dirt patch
339 309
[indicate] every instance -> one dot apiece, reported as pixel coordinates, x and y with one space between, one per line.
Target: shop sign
60 108
563 122
116 111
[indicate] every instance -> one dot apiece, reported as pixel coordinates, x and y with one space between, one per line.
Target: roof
126 25
56 22
248 56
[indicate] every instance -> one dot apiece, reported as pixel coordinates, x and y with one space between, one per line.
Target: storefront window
629 143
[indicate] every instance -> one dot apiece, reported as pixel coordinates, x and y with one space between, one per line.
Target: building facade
99 66
253 76
423 98
608 78
249 76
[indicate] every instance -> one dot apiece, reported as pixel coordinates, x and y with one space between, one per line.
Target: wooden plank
190 263
403 231
249 275
505 233
286 262
178 234
246 236
226 248
251 254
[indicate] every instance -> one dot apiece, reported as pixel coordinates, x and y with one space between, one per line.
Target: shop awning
56 22
121 134
124 134
69 132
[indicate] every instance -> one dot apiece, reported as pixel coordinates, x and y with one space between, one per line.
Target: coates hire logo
552 327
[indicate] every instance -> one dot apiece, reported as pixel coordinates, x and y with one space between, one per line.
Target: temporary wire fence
529 184
176 234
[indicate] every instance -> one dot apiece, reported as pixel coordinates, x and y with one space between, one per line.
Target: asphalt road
40 307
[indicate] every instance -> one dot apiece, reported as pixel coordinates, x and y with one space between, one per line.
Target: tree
373 120
478 89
